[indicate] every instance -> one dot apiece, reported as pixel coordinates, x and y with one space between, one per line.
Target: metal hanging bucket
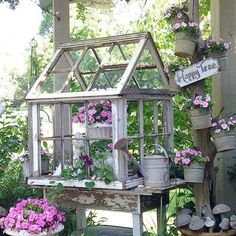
156 170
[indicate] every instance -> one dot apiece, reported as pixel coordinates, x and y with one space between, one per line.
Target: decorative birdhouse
98 108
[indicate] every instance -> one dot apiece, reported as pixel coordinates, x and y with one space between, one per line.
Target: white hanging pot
200 118
194 172
99 131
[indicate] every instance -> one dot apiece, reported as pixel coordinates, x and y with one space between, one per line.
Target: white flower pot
99 131
11 232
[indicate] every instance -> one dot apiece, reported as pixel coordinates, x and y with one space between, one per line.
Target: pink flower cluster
222 125
201 102
34 216
186 156
98 112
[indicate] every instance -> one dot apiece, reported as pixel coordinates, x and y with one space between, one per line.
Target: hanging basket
187 232
156 170
172 86
224 141
184 45
99 131
194 173
223 60
11 232
200 118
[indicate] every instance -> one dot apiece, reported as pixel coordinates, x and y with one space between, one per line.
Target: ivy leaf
89 185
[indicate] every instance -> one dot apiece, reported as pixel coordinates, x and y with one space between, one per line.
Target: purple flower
179 15
176 26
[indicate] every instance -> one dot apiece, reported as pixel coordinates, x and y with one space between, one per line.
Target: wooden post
201 138
61 35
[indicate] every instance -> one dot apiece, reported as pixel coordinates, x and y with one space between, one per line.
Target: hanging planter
186 35
224 141
194 162
156 170
194 173
223 133
200 118
184 45
217 50
222 60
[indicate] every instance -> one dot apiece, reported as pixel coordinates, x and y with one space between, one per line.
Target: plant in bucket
186 35
99 117
177 13
156 169
33 217
194 162
200 111
223 133
217 50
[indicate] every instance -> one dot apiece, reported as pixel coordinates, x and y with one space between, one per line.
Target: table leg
81 218
161 218
137 224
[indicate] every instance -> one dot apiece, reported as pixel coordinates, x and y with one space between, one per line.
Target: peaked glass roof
103 66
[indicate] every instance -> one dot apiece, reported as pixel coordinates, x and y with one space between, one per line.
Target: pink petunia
179 15
176 26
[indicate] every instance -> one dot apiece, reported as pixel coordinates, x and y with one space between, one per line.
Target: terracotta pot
184 45
187 232
200 118
224 141
194 173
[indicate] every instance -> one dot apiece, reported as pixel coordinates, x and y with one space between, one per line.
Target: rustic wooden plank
73 183
106 41
170 125
141 130
30 135
133 183
99 200
35 142
155 117
132 65
119 131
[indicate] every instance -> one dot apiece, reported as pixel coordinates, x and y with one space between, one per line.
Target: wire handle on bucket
162 148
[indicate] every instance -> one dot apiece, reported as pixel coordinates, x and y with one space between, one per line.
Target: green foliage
92 219
46 25
53 192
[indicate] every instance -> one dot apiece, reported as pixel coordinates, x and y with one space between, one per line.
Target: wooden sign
197 71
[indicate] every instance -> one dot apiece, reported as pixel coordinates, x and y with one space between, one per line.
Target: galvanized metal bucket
224 141
194 173
200 118
184 45
156 170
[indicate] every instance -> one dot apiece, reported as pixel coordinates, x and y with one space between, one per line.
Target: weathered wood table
135 201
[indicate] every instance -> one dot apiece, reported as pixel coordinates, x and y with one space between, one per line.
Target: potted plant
217 50
99 117
223 133
170 70
194 162
200 111
177 13
186 35
33 217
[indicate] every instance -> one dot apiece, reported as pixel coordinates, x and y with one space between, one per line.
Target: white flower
183 24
